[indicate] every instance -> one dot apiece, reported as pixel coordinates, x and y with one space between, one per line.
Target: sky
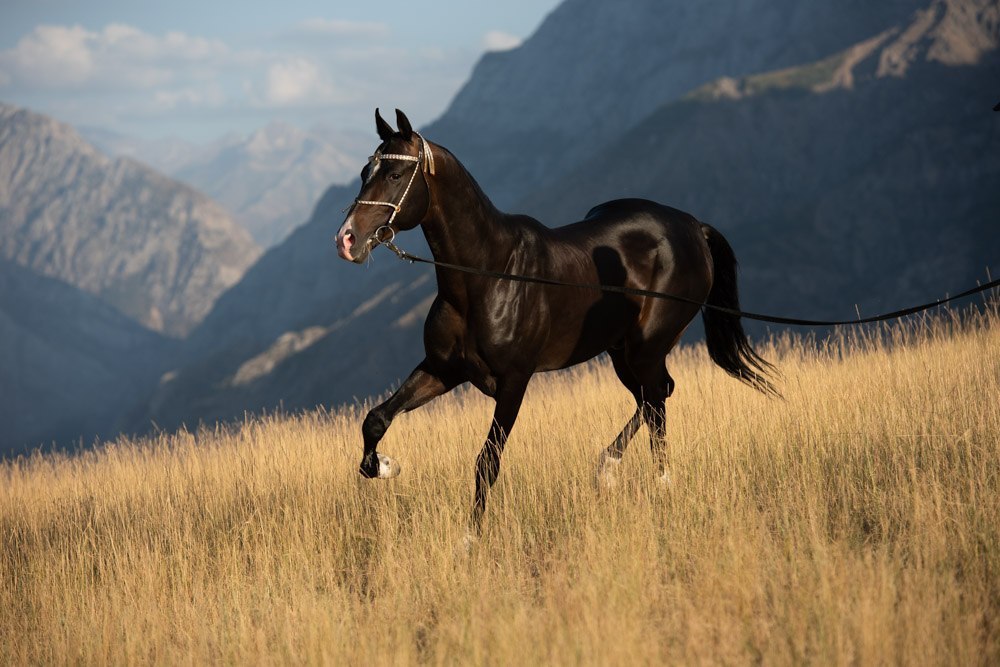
200 70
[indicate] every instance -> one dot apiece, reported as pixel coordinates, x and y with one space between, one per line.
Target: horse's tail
727 342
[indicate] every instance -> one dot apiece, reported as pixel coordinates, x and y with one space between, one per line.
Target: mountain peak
156 249
275 136
945 32
951 32
271 178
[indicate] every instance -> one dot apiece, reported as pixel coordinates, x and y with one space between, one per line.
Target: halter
424 156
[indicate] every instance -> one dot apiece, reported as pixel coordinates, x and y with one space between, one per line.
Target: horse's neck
464 227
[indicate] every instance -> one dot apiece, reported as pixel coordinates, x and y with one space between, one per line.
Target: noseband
424 157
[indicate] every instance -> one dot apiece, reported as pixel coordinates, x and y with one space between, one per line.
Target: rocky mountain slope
270 179
598 68
280 341
843 147
165 154
155 249
68 362
868 177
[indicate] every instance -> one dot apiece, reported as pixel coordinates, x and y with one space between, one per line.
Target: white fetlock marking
608 471
387 467
469 541
664 481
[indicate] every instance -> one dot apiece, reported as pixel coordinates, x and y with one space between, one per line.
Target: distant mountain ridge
829 177
269 180
157 250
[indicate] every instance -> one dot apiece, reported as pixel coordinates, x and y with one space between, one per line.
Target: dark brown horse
496 334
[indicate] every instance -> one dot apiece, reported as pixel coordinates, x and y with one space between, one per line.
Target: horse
495 334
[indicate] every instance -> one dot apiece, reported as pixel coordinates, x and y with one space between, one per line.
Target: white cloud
118 57
296 82
51 56
497 40
124 77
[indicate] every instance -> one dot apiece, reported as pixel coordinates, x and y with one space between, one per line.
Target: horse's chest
481 345
473 364
485 358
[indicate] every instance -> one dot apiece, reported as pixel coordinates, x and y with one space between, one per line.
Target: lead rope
425 159
632 291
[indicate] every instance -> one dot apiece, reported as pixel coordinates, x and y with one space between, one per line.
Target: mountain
155 249
270 179
166 155
68 363
849 161
596 68
868 177
273 340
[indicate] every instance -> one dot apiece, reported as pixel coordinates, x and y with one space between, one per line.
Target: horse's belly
582 336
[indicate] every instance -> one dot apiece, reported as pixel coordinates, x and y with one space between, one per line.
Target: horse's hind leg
611 457
665 322
607 465
655 391
648 365
654 413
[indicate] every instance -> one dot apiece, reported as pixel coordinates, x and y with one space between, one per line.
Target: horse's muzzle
345 241
350 246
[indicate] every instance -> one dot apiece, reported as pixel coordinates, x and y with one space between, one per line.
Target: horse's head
394 193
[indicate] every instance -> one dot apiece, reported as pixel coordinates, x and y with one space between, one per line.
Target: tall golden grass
857 521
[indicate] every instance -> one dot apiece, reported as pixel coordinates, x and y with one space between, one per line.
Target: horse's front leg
508 397
422 386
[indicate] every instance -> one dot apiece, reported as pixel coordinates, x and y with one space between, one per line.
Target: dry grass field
855 522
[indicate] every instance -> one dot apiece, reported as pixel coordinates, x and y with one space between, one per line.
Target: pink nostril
345 240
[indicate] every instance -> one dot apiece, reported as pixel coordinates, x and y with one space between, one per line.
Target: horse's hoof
387 467
467 544
607 472
379 467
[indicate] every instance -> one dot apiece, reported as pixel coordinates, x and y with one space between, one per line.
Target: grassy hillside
856 521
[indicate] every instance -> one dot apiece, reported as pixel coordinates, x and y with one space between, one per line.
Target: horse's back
617 209
632 243
639 231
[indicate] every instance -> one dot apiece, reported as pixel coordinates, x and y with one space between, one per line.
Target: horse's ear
384 129
403 123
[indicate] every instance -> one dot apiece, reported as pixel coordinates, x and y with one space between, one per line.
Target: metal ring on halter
375 234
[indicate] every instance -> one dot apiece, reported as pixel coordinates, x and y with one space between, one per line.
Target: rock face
271 179
69 364
155 249
847 149
597 68
868 177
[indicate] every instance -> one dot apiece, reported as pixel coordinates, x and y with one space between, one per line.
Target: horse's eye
394 176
